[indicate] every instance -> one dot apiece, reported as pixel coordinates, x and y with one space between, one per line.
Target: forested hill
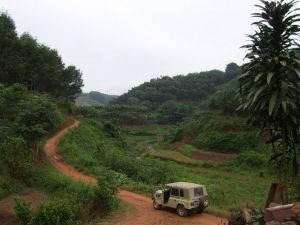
192 87
94 98
36 91
23 60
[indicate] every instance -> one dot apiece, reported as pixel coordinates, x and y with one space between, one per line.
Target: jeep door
174 197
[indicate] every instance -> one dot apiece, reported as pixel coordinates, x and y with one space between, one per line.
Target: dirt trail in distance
143 213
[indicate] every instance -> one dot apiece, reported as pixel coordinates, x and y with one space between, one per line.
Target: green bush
16 156
23 211
8 184
53 213
207 121
229 141
116 178
137 169
111 129
84 198
251 159
174 135
105 196
188 150
88 111
171 112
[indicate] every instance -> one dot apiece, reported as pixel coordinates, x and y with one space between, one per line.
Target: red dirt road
143 213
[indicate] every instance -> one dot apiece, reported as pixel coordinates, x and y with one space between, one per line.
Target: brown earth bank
213 157
7 214
205 156
143 213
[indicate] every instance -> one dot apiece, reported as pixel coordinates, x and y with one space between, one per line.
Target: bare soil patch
205 156
213 157
7 214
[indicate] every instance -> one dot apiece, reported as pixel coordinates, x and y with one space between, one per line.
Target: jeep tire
200 208
181 210
156 205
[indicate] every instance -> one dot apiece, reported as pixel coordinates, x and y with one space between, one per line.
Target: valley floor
143 213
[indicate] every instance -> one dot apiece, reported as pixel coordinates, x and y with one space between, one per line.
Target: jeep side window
198 191
174 192
181 193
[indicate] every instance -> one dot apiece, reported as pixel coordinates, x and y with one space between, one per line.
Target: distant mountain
94 98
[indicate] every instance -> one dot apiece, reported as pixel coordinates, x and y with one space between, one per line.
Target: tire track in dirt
143 213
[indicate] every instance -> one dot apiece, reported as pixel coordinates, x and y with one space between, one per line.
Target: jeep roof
184 185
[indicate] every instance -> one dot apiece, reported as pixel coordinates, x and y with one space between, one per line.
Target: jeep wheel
156 205
200 209
181 210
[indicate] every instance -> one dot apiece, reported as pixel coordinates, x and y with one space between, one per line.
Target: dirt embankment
212 157
7 214
143 213
206 156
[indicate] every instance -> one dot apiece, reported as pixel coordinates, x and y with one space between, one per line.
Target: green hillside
168 100
191 87
94 98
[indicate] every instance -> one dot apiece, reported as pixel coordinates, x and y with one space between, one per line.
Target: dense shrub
115 178
138 169
229 141
127 114
8 184
105 196
16 156
84 198
205 121
224 99
88 111
171 112
53 213
111 129
38 117
23 211
188 150
251 159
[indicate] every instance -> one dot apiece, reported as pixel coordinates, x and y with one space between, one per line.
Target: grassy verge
176 157
87 201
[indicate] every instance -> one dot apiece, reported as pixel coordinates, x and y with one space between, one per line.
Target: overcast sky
119 44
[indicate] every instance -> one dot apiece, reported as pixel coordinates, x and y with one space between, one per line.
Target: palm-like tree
270 84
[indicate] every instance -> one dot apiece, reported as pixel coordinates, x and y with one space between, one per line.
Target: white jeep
182 196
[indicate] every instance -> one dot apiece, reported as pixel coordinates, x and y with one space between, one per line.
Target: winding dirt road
143 213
